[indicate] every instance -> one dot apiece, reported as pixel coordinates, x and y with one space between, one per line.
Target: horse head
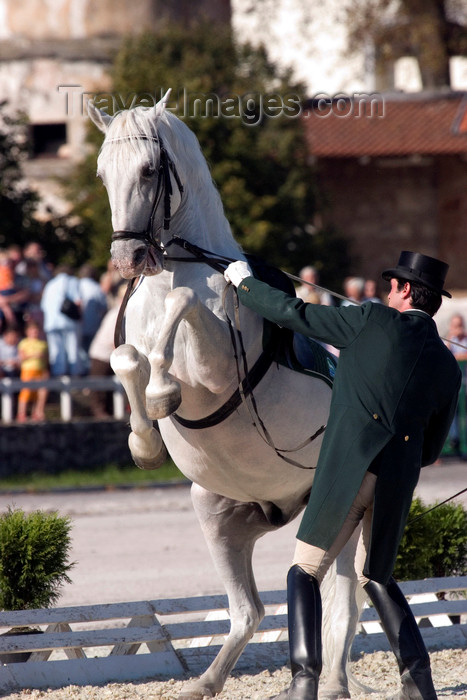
142 182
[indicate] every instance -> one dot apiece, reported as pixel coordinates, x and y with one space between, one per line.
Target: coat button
375 416
406 438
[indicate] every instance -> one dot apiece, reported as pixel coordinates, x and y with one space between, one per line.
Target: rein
437 505
251 377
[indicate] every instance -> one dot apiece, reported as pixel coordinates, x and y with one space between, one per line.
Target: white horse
177 367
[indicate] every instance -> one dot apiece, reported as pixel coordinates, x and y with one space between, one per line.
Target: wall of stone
396 204
56 446
69 19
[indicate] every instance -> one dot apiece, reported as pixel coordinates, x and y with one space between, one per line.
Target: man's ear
407 290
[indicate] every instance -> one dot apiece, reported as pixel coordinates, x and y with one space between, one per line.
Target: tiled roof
392 125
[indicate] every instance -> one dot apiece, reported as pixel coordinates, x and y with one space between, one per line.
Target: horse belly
234 460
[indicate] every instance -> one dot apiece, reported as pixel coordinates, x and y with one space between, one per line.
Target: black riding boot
304 622
405 639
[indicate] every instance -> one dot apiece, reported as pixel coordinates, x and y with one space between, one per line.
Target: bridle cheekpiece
163 190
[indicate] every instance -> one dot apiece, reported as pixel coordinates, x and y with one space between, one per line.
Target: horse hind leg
145 443
231 530
342 603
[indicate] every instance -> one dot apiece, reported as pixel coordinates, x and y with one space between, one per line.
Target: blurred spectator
15 254
456 334
34 252
34 366
93 305
308 293
353 290
99 353
9 356
7 275
14 294
35 285
63 333
370 292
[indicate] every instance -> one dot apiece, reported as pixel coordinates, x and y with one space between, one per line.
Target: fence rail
171 637
65 386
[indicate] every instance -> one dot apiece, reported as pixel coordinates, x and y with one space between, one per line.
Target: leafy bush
34 551
433 545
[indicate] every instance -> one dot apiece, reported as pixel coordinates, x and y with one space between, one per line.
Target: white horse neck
201 217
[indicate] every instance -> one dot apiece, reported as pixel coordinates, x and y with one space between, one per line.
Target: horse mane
135 138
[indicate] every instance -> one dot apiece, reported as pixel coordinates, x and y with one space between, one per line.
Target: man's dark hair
422 297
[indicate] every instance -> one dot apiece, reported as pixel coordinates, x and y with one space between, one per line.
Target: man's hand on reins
237 271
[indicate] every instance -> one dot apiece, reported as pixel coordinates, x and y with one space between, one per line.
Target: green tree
245 114
19 203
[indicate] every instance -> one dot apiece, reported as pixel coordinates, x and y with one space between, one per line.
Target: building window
46 140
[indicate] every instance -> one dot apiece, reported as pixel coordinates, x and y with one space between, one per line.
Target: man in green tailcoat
394 397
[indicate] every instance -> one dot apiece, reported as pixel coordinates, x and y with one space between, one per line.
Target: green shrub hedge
433 545
34 550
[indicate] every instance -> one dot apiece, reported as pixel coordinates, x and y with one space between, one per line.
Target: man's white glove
237 271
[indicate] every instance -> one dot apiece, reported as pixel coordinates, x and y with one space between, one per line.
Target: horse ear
101 119
159 108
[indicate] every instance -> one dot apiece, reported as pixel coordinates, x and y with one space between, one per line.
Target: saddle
292 350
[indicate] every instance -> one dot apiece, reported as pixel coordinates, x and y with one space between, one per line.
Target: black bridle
163 189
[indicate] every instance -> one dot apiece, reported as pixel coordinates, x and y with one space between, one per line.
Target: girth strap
255 375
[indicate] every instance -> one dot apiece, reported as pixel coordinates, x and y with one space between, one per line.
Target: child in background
34 358
9 356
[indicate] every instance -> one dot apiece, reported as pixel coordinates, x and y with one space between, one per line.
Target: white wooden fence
171 638
65 386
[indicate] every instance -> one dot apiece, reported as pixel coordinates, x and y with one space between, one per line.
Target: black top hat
416 267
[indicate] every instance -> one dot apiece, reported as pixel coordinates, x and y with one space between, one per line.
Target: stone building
52 52
395 172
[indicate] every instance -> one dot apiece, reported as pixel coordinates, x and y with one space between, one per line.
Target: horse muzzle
134 256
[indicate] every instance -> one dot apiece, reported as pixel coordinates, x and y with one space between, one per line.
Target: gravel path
377 670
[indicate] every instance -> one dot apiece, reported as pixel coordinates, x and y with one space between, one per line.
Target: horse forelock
131 138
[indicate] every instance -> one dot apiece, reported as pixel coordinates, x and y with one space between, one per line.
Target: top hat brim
404 274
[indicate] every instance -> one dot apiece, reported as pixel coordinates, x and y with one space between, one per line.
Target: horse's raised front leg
207 337
132 368
231 530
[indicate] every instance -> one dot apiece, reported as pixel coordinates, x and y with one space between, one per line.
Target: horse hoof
148 464
163 403
193 691
148 452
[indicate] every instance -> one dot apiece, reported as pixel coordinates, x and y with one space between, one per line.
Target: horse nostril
139 255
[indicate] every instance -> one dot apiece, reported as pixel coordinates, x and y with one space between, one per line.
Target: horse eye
148 170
